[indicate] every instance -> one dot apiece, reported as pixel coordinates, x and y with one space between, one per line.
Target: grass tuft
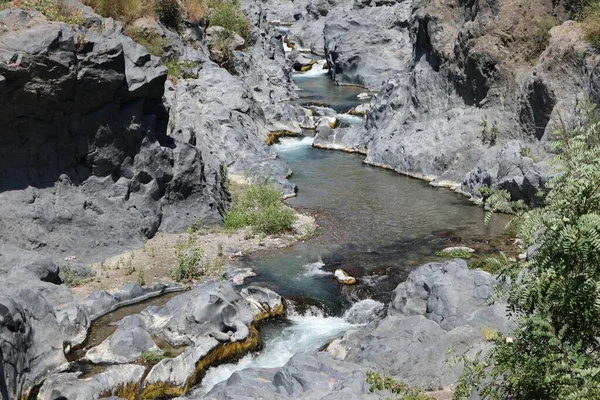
259 206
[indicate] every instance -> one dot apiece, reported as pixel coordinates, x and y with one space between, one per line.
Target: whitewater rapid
302 333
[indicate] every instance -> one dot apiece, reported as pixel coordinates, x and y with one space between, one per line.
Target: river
374 223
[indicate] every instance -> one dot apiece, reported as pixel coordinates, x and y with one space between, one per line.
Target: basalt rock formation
466 96
86 166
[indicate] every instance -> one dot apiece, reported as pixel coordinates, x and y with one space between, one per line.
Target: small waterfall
302 333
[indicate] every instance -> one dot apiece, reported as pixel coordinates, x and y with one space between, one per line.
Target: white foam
316 70
350 119
306 333
293 143
314 269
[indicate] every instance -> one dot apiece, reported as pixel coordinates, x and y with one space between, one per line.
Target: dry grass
489 333
194 9
590 17
125 11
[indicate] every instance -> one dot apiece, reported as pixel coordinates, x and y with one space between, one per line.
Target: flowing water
374 223
299 333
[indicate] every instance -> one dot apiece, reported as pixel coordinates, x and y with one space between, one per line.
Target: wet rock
122 379
125 345
202 319
305 376
238 275
360 109
343 277
302 63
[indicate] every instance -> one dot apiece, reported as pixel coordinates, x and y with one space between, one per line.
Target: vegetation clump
54 10
152 357
384 383
456 253
151 40
590 17
229 15
189 257
260 207
554 296
538 41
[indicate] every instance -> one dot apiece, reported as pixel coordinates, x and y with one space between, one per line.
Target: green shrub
553 351
177 69
151 357
259 206
229 15
487 264
386 384
57 10
189 257
141 278
70 278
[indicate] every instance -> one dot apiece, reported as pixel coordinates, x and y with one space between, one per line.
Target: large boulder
117 379
305 376
441 308
215 322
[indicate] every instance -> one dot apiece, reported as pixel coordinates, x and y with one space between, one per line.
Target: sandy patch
155 261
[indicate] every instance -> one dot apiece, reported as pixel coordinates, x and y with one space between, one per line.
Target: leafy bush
178 69
70 277
189 257
229 15
141 278
385 383
260 206
57 10
554 296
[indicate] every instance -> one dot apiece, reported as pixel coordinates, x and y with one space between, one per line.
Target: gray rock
201 319
369 47
84 158
68 386
305 376
125 345
450 294
440 308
